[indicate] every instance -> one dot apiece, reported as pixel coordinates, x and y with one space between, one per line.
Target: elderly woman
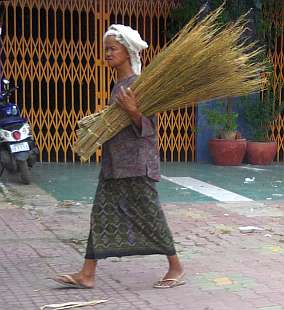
127 218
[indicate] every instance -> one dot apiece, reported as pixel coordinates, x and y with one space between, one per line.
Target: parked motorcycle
18 152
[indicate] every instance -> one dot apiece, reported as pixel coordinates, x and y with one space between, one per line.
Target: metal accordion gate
274 18
52 49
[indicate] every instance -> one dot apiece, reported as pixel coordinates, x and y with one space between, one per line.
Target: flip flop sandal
72 283
174 282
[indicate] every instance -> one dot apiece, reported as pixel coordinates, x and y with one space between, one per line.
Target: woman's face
115 53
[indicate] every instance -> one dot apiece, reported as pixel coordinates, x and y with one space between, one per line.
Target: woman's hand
127 101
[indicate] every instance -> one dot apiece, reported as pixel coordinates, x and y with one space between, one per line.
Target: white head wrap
131 39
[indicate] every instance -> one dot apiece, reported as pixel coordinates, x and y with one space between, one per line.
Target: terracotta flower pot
227 152
261 153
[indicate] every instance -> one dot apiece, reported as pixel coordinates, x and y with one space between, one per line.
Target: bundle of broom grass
204 62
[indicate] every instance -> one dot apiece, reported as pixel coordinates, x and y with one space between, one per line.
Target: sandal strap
177 279
169 280
69 278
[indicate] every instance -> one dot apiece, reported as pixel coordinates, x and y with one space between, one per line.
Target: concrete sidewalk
225 269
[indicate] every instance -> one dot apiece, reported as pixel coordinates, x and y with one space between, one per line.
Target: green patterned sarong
127 219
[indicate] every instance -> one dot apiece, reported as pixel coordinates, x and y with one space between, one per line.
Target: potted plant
227 148
259 115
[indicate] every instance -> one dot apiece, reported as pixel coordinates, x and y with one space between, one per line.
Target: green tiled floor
268 181
78 182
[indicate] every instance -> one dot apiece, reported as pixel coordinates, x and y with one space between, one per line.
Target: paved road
225 269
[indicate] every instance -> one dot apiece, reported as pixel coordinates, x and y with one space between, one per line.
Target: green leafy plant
259 114
180 16
224 123
186 9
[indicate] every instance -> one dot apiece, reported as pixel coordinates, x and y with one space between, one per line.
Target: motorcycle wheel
24 171
8 161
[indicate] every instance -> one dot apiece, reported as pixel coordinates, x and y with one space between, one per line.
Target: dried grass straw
204 62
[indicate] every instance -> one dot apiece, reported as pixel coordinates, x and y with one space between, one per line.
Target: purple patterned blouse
133 151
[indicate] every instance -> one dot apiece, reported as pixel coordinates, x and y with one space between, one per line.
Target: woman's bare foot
174 276
171 279
83 279
78 280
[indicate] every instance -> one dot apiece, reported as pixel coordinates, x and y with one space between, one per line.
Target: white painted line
207 189
250 168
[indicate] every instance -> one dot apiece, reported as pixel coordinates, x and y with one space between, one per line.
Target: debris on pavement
67 204
71 305
250 229
78 241
224 229
249 180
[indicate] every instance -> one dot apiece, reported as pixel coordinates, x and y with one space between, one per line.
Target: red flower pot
227 152
261 153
